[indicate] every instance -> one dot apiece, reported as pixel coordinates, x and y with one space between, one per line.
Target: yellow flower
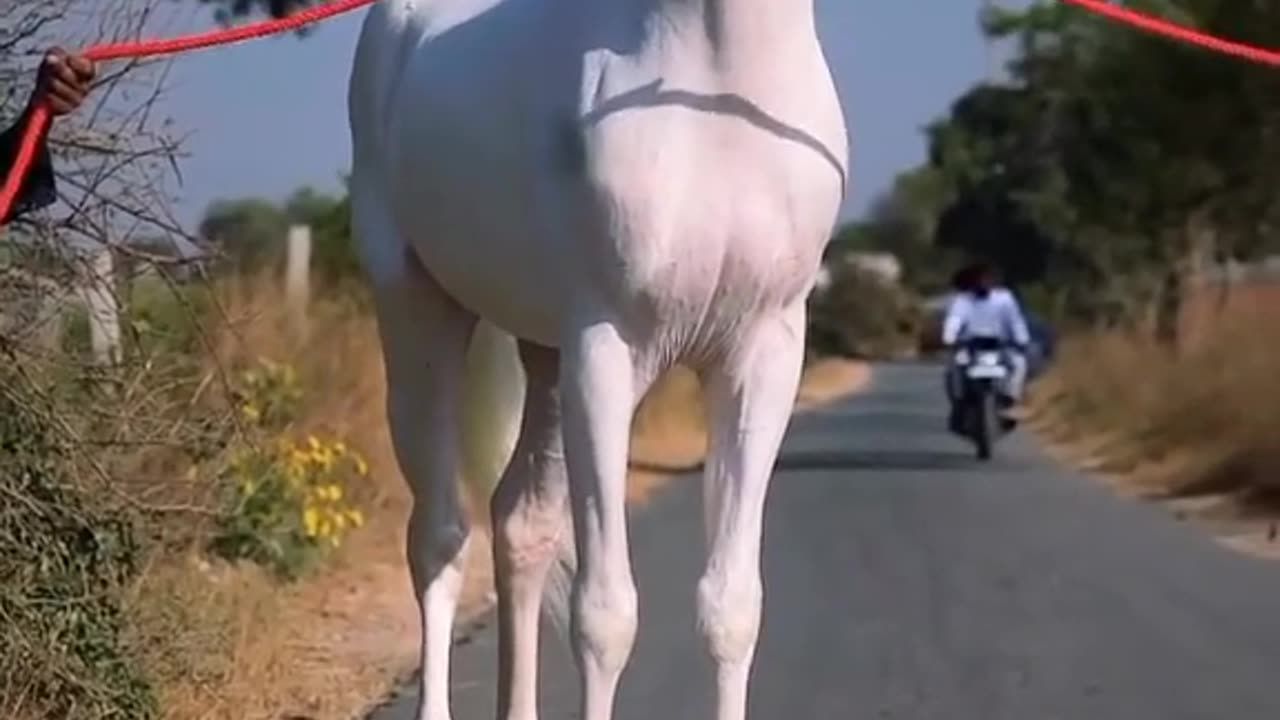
356 517
362 467
340 448
324 458
311 522
251 412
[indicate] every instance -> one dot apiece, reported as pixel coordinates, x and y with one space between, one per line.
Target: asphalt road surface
904 580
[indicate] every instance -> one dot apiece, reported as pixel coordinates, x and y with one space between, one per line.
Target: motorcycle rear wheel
986 428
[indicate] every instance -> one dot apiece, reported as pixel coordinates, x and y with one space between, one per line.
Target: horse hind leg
529 513
424 336
750 400
599 386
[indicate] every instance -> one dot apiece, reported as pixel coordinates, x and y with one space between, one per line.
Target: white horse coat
619 185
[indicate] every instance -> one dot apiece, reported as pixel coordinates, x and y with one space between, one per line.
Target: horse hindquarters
454 396
424 338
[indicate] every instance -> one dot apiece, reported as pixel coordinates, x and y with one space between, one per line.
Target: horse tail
493 393
559 588
493 389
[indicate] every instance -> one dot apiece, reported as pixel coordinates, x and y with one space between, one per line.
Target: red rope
39 117
38 120
1157 26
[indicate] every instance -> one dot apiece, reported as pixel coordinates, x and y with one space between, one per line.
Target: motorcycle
983 370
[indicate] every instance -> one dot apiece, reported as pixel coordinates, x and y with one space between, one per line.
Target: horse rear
621 185
454 110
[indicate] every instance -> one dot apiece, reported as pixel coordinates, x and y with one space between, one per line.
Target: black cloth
38 189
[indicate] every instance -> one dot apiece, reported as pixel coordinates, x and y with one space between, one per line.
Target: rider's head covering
977 277
984 277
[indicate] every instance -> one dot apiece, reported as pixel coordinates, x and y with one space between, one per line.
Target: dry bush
64 559
335 348
77 521
861 315
1210 410
109 603
223 641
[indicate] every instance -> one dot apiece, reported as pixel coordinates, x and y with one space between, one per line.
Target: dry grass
225 642
828 379
232 643
1199 423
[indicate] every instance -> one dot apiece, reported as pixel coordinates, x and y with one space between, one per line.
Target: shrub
63 566
269 395
1212 403
283 503
284 506
860 315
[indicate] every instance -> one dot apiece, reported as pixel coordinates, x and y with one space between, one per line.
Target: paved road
905 581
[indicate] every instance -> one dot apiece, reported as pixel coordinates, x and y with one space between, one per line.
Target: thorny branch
116 162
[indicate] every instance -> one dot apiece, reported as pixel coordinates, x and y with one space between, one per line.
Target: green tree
230 10
1113 160
903 222
250 232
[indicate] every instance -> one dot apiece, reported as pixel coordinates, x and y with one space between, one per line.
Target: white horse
611 186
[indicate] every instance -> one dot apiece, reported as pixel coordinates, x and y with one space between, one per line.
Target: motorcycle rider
982 308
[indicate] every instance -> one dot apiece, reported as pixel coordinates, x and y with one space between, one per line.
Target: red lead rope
1155 25
38 120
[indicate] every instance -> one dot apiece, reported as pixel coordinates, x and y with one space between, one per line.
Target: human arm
954 320
1015 320
38 188
62 85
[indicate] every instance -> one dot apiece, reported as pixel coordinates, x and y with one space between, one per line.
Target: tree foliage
230 10
903 221
249 233
1110 161
862 315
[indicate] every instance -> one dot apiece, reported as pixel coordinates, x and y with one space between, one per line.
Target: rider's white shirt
997 315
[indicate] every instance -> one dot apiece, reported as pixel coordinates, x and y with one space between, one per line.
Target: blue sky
267 117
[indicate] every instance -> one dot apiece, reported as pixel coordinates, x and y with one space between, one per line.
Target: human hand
64 81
